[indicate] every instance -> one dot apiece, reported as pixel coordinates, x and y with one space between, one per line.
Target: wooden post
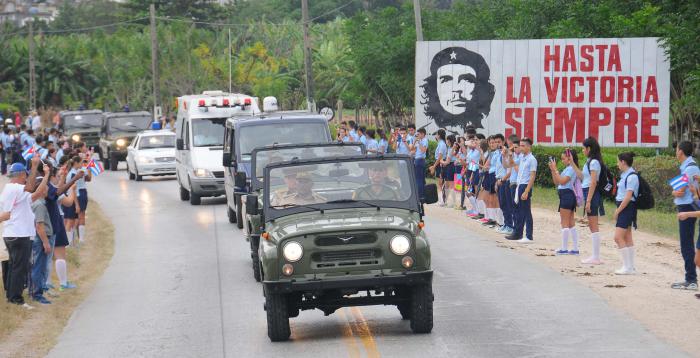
154 58
339 108
307 56
419 25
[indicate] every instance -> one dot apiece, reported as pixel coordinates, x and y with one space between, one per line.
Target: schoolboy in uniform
683 198
527 169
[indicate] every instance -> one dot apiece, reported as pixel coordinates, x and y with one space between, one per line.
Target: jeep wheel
422 309
405 306
277 317
184 194
231 215
256 265
239 213
113 163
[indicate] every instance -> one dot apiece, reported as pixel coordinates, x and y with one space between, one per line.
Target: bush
657 171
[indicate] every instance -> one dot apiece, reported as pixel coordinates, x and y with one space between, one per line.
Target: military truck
264 156
350 235
118 130
82 126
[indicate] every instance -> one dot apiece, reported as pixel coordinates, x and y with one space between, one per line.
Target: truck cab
245 133
118 130
200 128
82 126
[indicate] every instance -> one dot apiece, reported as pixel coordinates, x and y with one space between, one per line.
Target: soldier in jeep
381 187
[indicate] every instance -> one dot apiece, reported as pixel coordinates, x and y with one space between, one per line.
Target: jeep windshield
267 156
251 137
208 132
129 124
79 121
343 184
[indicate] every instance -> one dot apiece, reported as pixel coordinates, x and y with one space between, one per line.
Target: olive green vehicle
118 130
81 126
349 233
260 157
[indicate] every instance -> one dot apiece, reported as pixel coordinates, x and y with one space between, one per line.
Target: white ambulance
200 128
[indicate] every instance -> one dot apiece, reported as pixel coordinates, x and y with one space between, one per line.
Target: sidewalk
673 315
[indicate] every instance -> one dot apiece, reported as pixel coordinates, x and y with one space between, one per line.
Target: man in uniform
378 189
300 192
281 196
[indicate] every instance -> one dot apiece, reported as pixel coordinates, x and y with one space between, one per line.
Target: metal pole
154 58
419 23
32 70
311 105
230 87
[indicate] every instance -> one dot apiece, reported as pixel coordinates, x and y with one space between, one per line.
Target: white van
200 128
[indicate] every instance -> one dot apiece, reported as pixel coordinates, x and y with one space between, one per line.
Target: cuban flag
28 153
95 167
678 182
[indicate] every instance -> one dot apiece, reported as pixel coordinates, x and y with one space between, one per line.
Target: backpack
645 198
607 184
578 191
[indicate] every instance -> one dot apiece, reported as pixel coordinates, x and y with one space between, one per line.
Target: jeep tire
405 306
277 317
239 212
422 309
255 257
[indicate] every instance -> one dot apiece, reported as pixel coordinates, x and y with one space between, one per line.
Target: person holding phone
527 169
589 175
567 200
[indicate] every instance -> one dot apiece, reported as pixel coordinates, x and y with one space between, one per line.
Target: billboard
555 91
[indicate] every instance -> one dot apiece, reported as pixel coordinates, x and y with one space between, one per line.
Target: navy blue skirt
597 208
448 172
69 212
628 217
567 199
83 199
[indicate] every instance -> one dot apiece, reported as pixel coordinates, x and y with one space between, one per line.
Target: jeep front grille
346 258
346 239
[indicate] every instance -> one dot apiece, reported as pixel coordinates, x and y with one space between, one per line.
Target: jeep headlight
121 142
75 137
292 251
202 173
400 245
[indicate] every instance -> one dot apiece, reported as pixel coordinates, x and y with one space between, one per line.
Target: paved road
179 285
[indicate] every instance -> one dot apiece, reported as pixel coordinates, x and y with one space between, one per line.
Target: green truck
82 126
118 130
347 232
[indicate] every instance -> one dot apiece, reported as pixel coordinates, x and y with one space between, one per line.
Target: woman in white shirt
567 200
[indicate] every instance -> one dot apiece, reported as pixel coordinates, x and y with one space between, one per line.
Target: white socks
473 201
499 217
482 207
565 239
630 258
70 234
627 254
81 233
62 271
595 240
574 238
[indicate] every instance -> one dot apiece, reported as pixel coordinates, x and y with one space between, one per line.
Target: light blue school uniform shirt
354 136
363 139
402 148
80 184
528 165
498 164
372 145
423 143
474 156
594 165
346 139
691 171
568 172
627 183
59 155
441 149
492 166
514 171
383 146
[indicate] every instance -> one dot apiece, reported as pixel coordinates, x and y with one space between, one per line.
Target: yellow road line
348 335
365 333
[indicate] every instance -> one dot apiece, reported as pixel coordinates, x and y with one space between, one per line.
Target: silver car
152 152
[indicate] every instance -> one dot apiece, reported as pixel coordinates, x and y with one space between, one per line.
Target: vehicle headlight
202 173
75 137
400 245
121 142
145 160
292 251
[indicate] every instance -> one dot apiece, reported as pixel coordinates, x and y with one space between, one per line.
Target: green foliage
657 171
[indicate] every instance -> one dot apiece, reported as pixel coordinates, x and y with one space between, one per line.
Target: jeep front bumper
408 278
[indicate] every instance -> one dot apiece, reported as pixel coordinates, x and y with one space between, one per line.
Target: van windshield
208 132
251 137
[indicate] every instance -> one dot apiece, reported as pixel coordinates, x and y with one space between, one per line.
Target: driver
378 188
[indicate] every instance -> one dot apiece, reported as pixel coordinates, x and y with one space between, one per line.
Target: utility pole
230 87
419 23
311 104
154 59
32 71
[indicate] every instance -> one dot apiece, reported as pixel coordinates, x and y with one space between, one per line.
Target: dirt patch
33 333
672 315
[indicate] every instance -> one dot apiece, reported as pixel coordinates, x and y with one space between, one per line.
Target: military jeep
260 157
118 130
350 234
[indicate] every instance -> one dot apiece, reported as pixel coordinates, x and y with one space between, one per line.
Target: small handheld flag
28 153
678 182
95 167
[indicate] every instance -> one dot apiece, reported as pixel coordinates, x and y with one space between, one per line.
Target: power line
332 11
79 29
221 24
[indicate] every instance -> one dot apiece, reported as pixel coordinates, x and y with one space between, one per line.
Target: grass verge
33 333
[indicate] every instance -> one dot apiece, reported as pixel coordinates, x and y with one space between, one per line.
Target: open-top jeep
264 156
350 234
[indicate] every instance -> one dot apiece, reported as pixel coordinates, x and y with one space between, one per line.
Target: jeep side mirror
227 160
430 194
179 144
239 180
251 204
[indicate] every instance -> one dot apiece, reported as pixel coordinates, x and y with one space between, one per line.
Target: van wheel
277 317
195 199
239 213
113 163
422 309
184 194
231 215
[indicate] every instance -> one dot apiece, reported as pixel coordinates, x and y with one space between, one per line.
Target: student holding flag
683 185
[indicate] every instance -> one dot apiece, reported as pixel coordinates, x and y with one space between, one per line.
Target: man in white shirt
527 170
15 202
35 122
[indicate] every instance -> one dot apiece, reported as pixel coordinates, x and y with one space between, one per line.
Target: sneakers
51 293
478 217
573 252
503 230
561 252
42 300
693 286
625 271
67 286
472 213
525 241
513 237
27 307
592 261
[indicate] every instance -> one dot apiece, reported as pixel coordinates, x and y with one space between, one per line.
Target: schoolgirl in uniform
589 174
626 213
448 169
436 169
567 200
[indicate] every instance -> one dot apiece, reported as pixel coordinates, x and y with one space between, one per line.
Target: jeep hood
344 220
